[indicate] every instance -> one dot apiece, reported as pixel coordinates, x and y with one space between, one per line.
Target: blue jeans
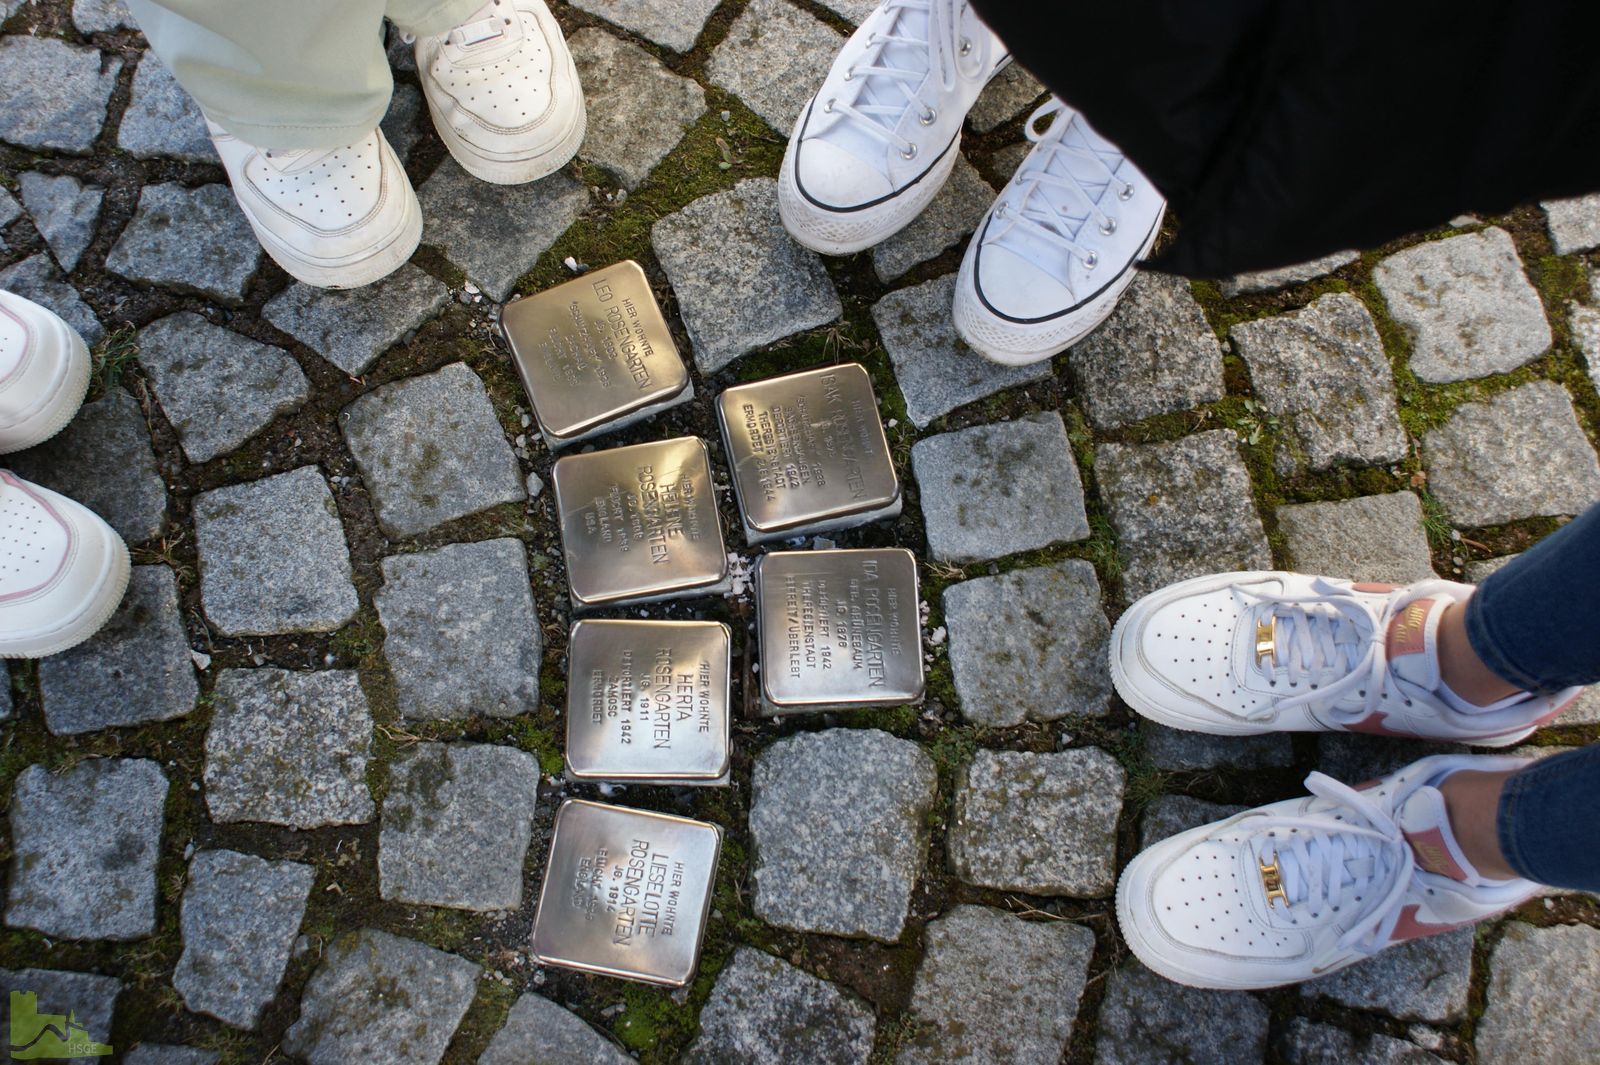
1534 623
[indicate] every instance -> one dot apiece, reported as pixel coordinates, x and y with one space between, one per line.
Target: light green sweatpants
289 73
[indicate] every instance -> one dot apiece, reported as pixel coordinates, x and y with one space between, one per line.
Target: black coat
1283 130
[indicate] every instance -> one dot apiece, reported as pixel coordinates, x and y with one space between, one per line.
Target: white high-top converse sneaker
62 570
336 218
1243 653
504 92
44 373
1301 888
1055 252
880 137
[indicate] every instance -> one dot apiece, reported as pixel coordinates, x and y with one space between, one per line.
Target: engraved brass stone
640 523
595 354
808 453
647 701
626 893
838 629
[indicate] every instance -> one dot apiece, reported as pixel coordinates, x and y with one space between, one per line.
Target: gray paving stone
135 669
456 826
1012 91
673 23
1586 710
378 997
1309 1043
1154 355
995 988
1574 223
1049 658
1369 538
64 210
638 109
10 210
85 842
55 93
6 708
36 278
1148 1020
1355 759
1171 814
1181 510
1586 332
240 917
838 821
1544 997
774 58
289 749
163 120
853 11
162 1054
88 997
463 637
1171 748
538 1030
764 1011
430 449
351 328
100 16
458 211
128 493
953 214
1041 823
218 388
188 240
1424 979
936 370
402 123
273 556
1518 455
1284 276
1466 305
741 282
994 490
1322 371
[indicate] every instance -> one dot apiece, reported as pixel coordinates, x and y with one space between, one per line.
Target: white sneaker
504 92
44 373
62 570
1058 247
339 218
1242 653
1301 888
878 140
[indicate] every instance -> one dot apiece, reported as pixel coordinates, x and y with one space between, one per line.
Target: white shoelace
950 58
1328 864
1051 201
1332 643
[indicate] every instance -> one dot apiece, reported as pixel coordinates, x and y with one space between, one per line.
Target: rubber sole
89 619
803 220
61 407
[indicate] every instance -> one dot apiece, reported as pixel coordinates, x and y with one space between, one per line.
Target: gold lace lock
1272 879
1266 640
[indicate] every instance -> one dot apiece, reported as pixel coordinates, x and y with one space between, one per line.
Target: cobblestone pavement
285 808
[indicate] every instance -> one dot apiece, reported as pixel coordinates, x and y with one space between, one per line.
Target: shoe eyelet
1109 228
849 75
912 154
966 47
827 108
929 118
1126 193
1091 260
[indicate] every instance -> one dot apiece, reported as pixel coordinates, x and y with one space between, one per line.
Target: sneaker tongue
1426 824
888 91
1412 643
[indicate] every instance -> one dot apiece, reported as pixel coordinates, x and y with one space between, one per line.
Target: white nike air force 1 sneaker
1056 250
335 218
1242 653
504 92
1301 888
880 137
44 373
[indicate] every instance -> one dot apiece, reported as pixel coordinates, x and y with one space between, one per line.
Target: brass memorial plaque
595 354
838 629
808 453
626 893
647 701
640 523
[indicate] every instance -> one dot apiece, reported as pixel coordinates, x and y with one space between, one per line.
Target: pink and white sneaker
1237 654
44 373
62 570
1306 887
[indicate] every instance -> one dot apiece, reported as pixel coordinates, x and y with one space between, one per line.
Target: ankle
1461 668
1472 800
